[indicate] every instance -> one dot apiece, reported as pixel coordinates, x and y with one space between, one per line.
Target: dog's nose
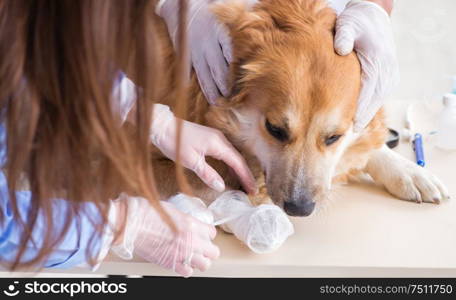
302 209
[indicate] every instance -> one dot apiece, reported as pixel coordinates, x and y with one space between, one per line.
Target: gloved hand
149 237
366 28
208 41
197 142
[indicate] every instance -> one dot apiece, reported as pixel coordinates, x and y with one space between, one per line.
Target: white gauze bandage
262 228
192 206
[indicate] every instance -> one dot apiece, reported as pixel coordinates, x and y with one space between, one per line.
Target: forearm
386 4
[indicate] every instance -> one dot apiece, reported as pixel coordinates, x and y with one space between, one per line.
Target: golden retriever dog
291 112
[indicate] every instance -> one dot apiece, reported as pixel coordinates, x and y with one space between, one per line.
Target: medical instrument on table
410 134
393 138
418 148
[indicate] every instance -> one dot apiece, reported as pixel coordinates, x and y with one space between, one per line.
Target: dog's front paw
414 183
406 180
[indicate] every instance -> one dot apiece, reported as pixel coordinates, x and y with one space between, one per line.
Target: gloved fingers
378 80
365 27
223 150
218 67
344 40
206 248
200 262
212 231
207 174
188 223
206 81
205 231
184 269
366 110
188 68
362 119
225 43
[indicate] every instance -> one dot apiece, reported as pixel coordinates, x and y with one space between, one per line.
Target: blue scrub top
72 251
81 242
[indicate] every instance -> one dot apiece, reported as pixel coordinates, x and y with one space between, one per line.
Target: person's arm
209 43
76 246
146 233
364 26
148 236
72 250
197 141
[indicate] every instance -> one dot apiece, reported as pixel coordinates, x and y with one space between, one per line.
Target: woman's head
59 60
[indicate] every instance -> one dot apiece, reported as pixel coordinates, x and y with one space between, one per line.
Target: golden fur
285 71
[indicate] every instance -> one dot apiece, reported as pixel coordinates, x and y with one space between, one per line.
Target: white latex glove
197 142
208 41
366 28
149 237
123 96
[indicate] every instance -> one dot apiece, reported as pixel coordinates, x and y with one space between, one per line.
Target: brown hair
59 60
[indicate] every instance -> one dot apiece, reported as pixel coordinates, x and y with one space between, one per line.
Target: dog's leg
262 196
165 176
403 178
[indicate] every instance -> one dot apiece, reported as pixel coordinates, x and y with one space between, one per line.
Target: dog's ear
235 14
245 20
224 119
245 26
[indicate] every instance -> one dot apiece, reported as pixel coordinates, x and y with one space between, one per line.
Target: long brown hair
59 60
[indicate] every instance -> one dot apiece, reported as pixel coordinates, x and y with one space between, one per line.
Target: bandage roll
230 206
262 228
192 206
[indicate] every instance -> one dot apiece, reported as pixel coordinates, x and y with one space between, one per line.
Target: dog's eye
332 139
277 132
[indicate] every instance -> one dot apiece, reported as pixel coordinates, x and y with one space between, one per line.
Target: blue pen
418 148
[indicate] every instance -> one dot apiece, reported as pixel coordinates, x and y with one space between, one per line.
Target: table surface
363 232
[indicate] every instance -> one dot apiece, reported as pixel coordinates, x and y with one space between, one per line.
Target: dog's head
294 98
